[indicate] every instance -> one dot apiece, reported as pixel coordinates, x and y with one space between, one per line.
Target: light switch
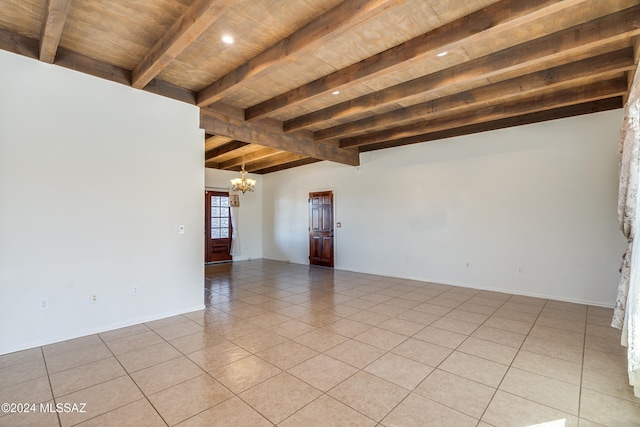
338 224
180 229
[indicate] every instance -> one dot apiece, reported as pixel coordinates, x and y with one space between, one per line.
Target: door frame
333 224
209 192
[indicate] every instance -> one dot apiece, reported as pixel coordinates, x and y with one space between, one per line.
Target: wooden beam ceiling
595 91
26 46
573 43
537 117
550 80
193 22
244 151
274 160
248 158
284 166
499 17
19 44
52 25
268 97
257 133
321 30
214 141
226 148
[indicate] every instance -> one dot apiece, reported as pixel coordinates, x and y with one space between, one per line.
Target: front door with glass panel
217 226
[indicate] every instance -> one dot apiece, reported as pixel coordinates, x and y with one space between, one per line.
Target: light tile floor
294 345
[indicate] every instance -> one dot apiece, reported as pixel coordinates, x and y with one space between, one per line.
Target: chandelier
243 183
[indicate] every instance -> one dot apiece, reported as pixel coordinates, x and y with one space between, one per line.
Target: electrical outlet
94 299
179 229
43 304
134 291
520 269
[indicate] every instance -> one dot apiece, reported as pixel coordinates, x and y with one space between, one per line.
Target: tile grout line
408 337
44 359
237 395
326 393
435 367
206 372
456 348
132 380
584 350
514 358
390 352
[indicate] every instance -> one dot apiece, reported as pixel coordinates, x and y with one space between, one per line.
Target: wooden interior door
217 227
321 228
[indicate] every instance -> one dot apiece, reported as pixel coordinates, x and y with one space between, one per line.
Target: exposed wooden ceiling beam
246 150
574 74
19 44
498 17
256 155
273 161
26 46
192 23
84 64
578 41
537 117
283 166
55 15
326 27
215 141
593 92
226 148
635 43
256 133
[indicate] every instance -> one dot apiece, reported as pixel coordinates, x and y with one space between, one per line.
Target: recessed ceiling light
227 39
336 92
441 54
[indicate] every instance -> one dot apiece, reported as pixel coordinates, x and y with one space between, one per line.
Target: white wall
541 197
94 178
250 221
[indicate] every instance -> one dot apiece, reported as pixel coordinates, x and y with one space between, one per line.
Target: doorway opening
217 227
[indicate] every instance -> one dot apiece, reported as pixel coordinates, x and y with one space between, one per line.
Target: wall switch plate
94 299
43 304
134 291
180 229
520 269
338 224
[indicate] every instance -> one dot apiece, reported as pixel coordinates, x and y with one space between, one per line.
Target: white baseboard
83 333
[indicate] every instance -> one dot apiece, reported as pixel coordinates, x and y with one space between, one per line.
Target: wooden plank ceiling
310 80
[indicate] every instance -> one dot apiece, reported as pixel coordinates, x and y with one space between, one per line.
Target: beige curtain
627 310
